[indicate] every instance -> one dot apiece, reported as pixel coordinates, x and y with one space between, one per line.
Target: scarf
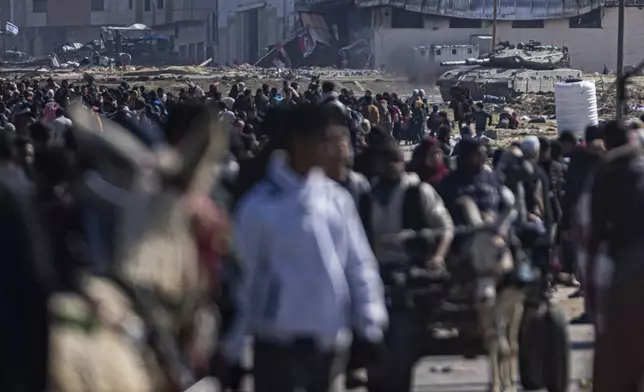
432 175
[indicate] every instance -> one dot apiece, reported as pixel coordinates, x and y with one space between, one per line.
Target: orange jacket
371 113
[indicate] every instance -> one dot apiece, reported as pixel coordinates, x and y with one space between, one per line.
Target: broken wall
277 23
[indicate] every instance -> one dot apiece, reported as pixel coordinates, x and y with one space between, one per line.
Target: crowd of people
319 190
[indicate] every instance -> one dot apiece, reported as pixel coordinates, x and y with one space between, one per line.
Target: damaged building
384 32
300 32
246 28
190 25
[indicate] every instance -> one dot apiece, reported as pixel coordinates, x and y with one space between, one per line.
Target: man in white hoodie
311 277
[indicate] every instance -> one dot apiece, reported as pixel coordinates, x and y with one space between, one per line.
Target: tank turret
509 71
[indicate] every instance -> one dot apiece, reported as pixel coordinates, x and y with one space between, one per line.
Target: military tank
507 72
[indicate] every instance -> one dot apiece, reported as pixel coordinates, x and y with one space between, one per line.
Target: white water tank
576 106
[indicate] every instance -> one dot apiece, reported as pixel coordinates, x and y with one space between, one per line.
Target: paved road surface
456 374
465 375
472 375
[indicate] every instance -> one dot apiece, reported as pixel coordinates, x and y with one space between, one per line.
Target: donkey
500 306
132 329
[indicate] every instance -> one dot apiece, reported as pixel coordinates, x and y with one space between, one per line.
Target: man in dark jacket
538 205
470 179
27 277
583 161
617 206
261 101
555 172
434 121
481 118
244 102
568 142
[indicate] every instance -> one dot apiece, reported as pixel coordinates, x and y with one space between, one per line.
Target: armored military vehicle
507 72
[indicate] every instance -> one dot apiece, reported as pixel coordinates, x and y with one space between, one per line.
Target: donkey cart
492 302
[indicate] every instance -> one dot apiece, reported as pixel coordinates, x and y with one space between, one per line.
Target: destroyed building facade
246 28
393 27
44 24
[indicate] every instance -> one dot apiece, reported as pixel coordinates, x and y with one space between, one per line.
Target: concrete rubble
239 73
247 71
544 104
526 105
534 104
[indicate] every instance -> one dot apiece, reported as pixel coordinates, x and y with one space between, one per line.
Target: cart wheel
531 365
556 356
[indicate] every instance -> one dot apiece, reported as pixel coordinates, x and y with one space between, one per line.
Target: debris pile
606 100
247 71
505 137
544 104
534 104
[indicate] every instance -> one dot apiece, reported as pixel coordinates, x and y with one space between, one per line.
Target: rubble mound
247 71
535 104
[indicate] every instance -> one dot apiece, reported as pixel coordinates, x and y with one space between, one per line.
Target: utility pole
621 87
494 25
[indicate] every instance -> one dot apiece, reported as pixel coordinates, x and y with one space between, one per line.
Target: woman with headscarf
427 162
234 91
418 118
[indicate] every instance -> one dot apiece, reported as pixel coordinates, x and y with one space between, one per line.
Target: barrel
576 106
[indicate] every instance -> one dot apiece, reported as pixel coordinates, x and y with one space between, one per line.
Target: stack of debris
606 101
535 104
247 71
544 104
505 137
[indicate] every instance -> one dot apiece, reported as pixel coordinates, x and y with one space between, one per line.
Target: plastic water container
576 106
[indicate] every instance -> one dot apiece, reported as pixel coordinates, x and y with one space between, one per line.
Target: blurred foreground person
146 324
617 231
578 181
310 276
26 280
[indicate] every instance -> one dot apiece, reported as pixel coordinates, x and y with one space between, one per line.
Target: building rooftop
483 9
